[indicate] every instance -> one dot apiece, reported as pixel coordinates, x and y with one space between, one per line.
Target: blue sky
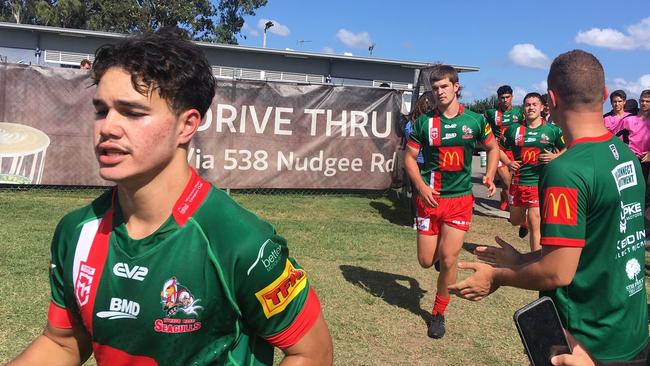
512 42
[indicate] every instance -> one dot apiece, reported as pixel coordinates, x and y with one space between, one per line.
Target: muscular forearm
44 351
528 257
531 276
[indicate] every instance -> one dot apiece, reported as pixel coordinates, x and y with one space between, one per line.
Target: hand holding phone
541 331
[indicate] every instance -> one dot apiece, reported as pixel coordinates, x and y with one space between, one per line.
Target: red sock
525 224
440 305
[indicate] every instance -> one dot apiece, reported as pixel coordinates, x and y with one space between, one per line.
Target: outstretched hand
489 184
504 255
477 286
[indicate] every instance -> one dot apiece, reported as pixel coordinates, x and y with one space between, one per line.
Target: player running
533 144
500 119
164 269
447 137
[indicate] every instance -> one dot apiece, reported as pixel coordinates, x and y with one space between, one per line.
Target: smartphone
541 331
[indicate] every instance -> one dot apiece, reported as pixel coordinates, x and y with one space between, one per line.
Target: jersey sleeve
415 138
275 294
58 314
559 139
485 130
563 205
506 140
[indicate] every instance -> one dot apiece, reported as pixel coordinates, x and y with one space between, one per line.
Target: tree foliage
482 105
219 21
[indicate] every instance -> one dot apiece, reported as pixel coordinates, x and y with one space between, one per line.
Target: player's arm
493 156
57 346
413 171
554 269
314 348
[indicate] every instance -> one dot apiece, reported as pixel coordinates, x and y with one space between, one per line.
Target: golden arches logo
448 158
529 156
555 201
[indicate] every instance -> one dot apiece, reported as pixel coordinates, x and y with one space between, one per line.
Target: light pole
268 25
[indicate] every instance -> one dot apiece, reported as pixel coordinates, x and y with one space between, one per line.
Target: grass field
359 252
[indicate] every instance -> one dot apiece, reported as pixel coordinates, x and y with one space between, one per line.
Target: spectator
631 106
612 118
592 226
85 64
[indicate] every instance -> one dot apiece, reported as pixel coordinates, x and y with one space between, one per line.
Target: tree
482 105
220 22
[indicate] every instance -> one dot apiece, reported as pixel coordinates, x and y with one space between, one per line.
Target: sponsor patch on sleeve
560 206
275 297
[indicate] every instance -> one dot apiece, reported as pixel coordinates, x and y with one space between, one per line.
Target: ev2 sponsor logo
137 273
121 309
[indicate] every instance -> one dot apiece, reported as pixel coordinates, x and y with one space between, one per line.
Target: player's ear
605 94
552 99
188 123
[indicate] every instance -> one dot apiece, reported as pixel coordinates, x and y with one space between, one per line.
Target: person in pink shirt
613 117
639 135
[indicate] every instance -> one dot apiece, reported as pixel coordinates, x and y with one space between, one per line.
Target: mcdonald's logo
451 158
529 155
560 206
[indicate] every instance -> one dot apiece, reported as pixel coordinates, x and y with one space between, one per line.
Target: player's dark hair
504 89
440 72
534 95
423 105
165 61
618 93
85 61
645 94
578 78
545 99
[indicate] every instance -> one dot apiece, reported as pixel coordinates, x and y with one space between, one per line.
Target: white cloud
637 36
277 28
250 31
328 50
347 54
541 87
518 94
527 55
632 87
354 40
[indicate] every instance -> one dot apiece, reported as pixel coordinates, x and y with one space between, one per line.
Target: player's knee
449 262
425 262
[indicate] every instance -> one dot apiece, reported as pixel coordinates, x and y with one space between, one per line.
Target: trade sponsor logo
453 125
120 309
84 281
515 118
487 130
461 222
123 270
275 297
614 151
451 158
628 212
624 175
633 272
560 206
530 139
269 255
424 223
177 299
530 155
449 135
532 133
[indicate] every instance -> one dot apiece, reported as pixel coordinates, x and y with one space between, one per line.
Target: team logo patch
434 133
633 271
177 299
624 175
275 297
424 223
84 281
544 139
468 133
530 155
614 151
452 158
560 206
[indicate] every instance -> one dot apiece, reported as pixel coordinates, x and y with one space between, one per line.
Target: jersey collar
461 110
194 194
601 138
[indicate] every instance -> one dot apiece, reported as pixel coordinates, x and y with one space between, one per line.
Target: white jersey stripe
88 232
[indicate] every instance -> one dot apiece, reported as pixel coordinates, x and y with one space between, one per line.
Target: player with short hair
613 118
533 144
163 268
593 230
447 137
500 119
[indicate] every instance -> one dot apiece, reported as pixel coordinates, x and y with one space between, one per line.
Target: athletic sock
440 305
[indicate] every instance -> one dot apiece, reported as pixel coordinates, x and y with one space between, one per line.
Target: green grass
359 254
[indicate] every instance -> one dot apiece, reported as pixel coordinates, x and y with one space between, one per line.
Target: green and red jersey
447 146
500 120
213 285
592 197
526 144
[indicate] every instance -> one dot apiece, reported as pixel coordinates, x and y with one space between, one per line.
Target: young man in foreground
164 268
533 144
447 137
593 233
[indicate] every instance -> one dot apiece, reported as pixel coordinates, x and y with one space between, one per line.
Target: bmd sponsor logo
121 309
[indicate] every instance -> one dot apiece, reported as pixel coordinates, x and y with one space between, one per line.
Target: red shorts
523 196
510 156
453 211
